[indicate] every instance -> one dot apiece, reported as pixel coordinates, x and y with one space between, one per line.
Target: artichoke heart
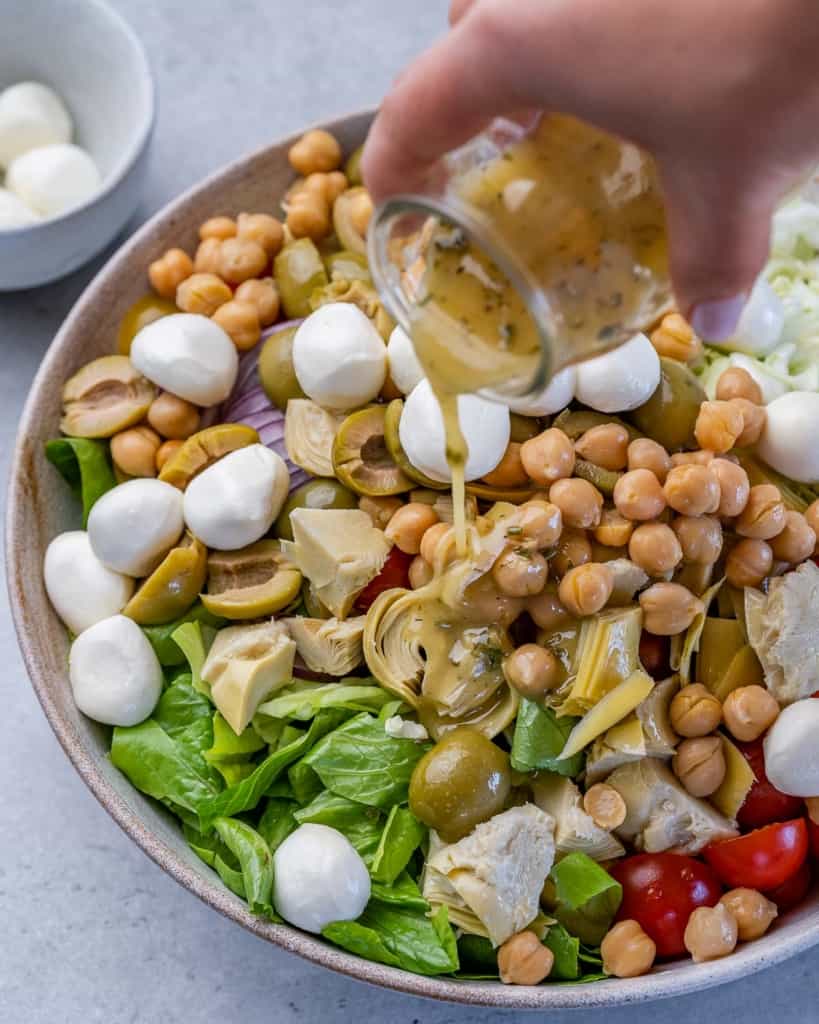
574 828
332 646
252 582
607 655
309 432
172 587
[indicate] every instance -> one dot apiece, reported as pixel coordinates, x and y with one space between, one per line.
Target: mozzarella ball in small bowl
31 115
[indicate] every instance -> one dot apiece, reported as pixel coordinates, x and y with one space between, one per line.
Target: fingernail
717 320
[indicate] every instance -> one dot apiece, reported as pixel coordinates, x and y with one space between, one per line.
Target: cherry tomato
813 837
764 804
655 652
762 859
792 890
660 891
394 573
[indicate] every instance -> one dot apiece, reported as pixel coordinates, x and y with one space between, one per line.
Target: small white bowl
93 59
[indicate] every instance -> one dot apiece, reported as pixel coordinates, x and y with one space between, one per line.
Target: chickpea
573 549
360 211
643 453
509 472
520 573
738 383
548 457
763 518
263 229
655 548
753 912
699 764
754 418
734 487
218 227
173 417
380 509
586 589
134 451
541 522
797 540
167 273
533 671
711 932
165 451
316 150
432 538
408 526
308 216
812 518
627 951
240 260
264 295
329 186
697 458
420 573
700 538
206 260
546 611
638 495
605 806
675 339
613 530
748 563
606 446
241 321
749 711
695 711
524 960
202 293
692 490
718 426
580 502
668 609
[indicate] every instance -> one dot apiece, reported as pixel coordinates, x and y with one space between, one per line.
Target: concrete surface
90 930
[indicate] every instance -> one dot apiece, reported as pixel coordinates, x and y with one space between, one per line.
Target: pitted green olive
347 266
298 271
361 459
172 587
276 373
465 779
105 396
670 414
251 583
204 448
323 492
143 312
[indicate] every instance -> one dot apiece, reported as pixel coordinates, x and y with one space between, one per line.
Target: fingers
458 8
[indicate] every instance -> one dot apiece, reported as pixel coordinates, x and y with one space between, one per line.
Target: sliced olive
604 480
353 167
361 459
345 221
276 373
514 495
298 271
105 396
204 448
143 312
172 587
670 414
251 583
347 266
318 493
392 418
523 428
575 422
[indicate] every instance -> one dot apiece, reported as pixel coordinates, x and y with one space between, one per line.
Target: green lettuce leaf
539 737
228 748
277 822
566 950
161 637
587 897
362 825
403 892
305 701
86 465
255 861
189 639
401 836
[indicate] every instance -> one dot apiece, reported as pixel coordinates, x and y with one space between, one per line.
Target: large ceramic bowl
40 507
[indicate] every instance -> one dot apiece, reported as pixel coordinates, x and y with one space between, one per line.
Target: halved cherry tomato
764 804
660 892
813 837
394 573
762 859
655 654
792 890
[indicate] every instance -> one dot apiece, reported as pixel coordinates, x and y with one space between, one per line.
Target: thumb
719 224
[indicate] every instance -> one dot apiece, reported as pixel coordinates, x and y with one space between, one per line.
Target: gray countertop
91 929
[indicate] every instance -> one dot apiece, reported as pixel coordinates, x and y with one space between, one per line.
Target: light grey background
90 929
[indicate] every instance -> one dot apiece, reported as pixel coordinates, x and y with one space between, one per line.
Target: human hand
724 95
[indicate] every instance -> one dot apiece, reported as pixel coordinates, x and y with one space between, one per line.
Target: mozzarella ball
188 355
788 441
770 386
553 398
54 179
319 878
760 325
485 425
14 213
620 380
82 590
405 370
115 676
339 357
31 115
235 501
791 750
133 526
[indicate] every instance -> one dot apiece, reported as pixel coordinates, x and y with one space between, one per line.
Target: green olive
392 418
105 396
361 459
204 448
172 587
670 414
143 312
347 266
523 428
463 780
298 270
353 167
323 492
604 480
276 373
250 583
